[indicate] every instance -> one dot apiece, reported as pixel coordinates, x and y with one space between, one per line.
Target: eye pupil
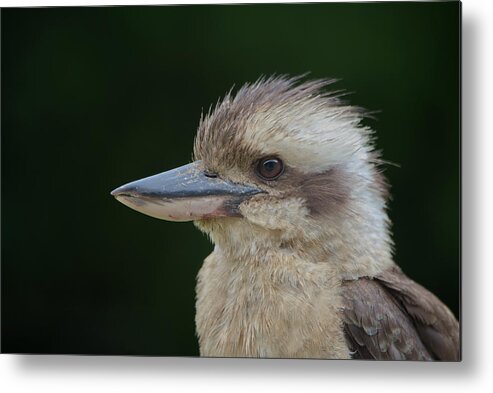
270 165
270 168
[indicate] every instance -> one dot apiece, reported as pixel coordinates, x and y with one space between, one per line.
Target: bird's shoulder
391 317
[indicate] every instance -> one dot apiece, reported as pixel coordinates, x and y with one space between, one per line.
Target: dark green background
95 97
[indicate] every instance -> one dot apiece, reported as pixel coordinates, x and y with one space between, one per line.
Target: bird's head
278 161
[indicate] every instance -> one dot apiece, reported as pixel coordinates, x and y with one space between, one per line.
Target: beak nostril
210 174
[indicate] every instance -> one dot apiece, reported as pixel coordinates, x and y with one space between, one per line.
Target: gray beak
184 194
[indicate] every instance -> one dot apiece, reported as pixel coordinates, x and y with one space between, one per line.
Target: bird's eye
270 168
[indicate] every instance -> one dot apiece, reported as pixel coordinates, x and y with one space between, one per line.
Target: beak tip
115 192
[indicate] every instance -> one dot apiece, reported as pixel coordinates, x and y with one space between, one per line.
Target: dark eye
270 168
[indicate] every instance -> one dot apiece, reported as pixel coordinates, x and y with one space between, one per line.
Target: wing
391 317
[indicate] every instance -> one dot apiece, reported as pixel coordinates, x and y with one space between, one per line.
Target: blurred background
95 97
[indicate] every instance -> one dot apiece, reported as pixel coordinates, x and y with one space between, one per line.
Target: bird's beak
184 194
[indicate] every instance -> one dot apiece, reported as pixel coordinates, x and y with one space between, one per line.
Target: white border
126 374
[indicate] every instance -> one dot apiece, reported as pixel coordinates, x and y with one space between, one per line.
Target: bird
288 184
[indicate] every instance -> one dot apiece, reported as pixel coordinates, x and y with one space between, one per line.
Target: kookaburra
286 182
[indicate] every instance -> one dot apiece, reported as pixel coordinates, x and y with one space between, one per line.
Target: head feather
277 109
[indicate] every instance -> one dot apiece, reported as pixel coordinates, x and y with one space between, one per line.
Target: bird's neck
356 244
257 300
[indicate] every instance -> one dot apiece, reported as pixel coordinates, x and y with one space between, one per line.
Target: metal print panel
316 198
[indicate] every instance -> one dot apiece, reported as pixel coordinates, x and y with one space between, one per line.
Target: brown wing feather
390 317
437 326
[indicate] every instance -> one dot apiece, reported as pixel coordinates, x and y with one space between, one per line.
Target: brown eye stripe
270 168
